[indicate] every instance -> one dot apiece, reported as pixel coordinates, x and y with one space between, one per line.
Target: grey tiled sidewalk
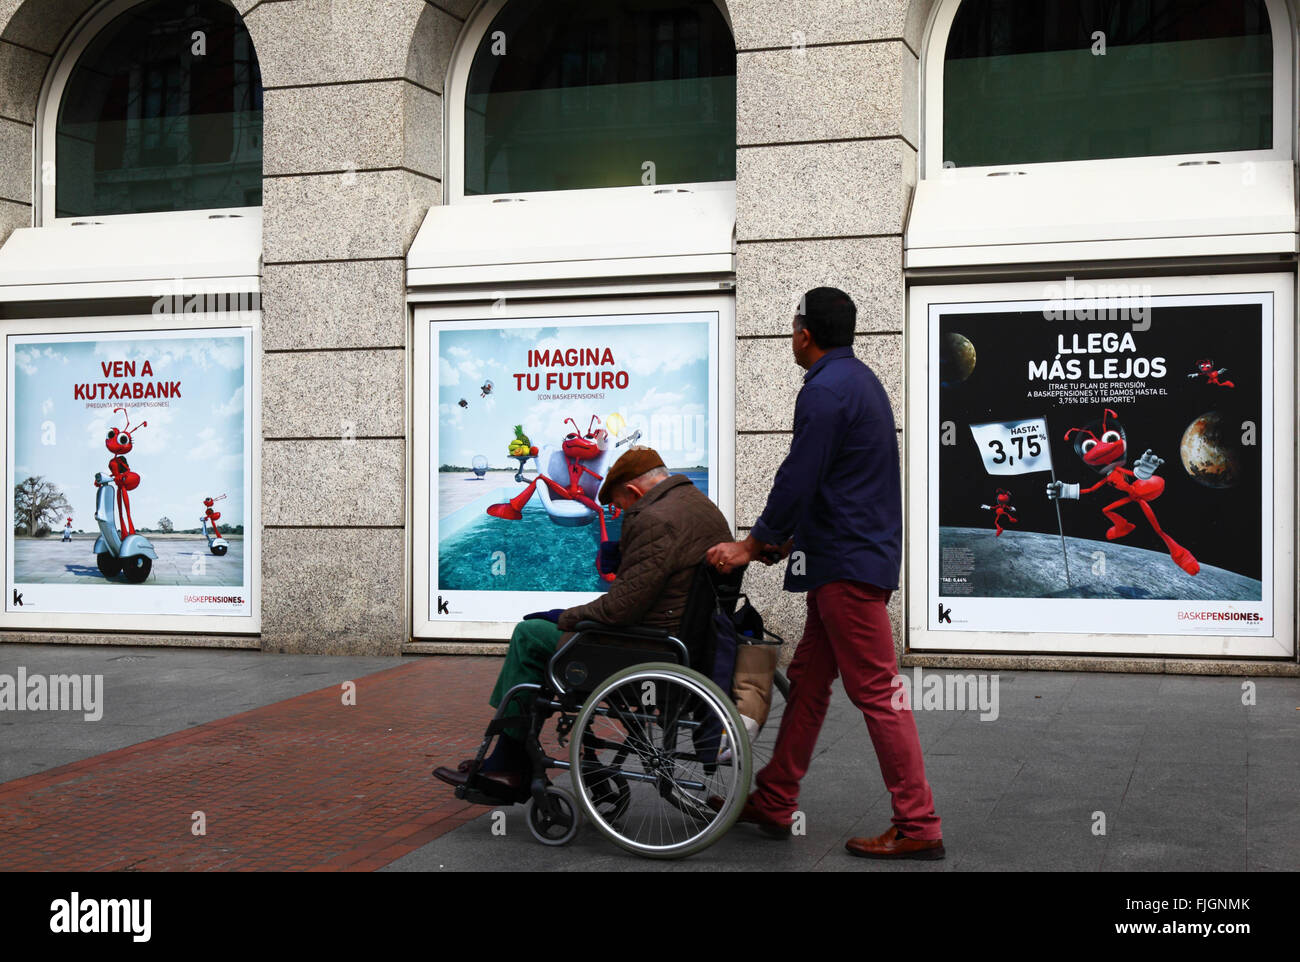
153 692
1188 779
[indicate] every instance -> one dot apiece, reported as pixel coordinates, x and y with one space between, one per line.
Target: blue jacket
838 491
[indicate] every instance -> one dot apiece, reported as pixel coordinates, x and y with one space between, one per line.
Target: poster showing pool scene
508 394
128 468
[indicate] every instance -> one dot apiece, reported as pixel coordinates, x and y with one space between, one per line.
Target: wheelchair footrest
482 798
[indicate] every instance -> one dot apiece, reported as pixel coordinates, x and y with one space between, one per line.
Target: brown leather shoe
506 785
894 844
754 816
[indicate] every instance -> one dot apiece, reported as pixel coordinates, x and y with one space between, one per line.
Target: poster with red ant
1103 462
529 416
127 440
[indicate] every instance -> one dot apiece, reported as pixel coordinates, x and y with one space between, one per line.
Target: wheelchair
658 756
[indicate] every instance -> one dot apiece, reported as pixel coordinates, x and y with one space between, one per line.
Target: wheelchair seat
596 651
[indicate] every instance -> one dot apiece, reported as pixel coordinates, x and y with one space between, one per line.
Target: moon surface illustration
1029 564
1211 451
956 359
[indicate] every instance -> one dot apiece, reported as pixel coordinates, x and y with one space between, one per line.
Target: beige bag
755 667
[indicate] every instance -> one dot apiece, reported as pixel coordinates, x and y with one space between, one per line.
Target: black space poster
1151 415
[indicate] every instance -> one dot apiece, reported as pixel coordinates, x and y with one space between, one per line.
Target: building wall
353 134
827 158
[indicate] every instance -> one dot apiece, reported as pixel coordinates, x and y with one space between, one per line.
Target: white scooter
216 544
132 557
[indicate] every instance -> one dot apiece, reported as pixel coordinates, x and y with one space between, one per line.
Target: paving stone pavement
1185 775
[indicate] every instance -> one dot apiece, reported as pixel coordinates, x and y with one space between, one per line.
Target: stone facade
827 138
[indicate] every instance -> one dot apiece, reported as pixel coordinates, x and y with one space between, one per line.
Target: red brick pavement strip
303 784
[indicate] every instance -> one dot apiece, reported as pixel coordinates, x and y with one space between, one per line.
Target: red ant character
1206 370
577 448
119 445
1004 510
211 515
1106 454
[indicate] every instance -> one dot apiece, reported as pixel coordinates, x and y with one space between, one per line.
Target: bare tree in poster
38 503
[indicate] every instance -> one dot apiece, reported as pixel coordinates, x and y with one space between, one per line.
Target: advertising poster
530 414
1103 465
128 457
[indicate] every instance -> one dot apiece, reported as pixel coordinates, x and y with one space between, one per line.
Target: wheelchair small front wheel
658 729
560 824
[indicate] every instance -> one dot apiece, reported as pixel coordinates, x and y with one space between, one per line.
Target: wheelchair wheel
649 736
560 824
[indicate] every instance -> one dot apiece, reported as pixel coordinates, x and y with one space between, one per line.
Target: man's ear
635 490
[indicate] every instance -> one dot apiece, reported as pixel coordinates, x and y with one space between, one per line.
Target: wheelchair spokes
645 761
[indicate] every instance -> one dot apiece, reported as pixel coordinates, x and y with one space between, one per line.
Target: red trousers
848 633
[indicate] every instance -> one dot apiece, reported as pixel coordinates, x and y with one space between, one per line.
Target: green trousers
531 647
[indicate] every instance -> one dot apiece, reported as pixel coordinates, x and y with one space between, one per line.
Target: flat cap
634 463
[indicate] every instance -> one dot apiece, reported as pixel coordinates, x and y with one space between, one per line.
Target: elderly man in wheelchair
658 753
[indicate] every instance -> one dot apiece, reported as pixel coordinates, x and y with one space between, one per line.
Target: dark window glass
1037 81
162 112
588 93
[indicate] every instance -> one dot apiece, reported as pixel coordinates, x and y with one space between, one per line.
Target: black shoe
504 786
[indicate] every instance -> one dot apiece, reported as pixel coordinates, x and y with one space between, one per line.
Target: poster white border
245 324
921 439
519 311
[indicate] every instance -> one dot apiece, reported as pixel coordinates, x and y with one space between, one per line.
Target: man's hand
553 616
774 554
733 554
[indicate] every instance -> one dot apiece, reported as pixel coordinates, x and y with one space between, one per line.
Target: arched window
156 107
1028 82
593 94
1104 129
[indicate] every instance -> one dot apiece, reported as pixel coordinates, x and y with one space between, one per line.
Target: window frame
1282 26
90 325
539 302
454 88
921 439
65 59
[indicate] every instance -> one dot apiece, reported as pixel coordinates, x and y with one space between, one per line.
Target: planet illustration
1211 451
956 359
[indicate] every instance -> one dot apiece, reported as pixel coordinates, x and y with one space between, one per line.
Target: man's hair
829 315
642 480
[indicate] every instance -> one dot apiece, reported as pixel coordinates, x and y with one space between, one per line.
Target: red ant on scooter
119 444
213 516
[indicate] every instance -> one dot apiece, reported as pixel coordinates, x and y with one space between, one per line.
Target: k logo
945 614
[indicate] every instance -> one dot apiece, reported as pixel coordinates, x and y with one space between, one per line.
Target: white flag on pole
1013 447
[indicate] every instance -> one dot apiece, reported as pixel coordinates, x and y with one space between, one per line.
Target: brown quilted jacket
665 535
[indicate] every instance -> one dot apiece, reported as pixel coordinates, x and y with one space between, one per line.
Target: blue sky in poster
666 361
191 449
